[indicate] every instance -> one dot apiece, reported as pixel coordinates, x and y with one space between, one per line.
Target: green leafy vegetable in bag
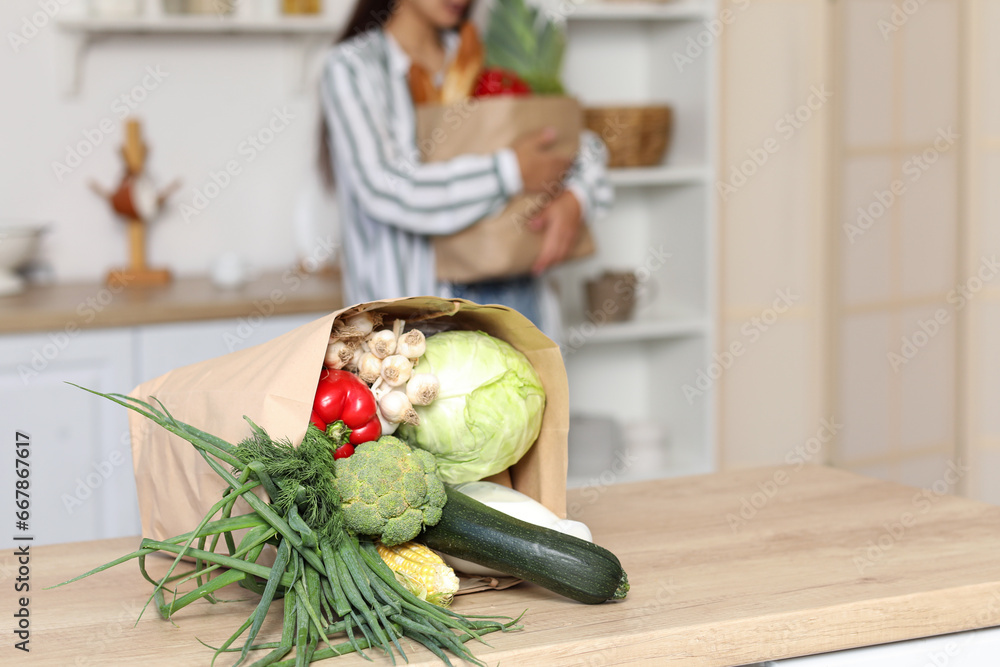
522 40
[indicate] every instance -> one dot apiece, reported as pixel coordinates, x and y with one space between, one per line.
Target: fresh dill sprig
303 475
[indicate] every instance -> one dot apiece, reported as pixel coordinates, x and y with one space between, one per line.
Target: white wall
218 90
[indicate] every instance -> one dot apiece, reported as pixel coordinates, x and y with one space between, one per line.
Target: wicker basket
635 136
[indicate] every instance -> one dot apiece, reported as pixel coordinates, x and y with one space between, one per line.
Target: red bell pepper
496 81
345 406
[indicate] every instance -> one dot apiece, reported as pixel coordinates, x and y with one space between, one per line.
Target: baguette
464 69
422 89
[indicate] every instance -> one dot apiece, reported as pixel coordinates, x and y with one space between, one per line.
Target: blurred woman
392 204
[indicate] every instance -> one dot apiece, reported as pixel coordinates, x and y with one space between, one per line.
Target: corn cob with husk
421 571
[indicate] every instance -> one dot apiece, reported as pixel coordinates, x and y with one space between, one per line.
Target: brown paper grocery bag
502 245
274 383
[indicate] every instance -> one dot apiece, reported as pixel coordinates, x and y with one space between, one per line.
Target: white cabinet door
165 347
81 484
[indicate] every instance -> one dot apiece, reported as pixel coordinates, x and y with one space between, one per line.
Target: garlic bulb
364 323
396 408
369 367
412 344
338 354
382 343
352 365
422 388
396 370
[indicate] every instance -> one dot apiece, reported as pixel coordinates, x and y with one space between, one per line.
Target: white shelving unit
210 24
620 54
643 11
658 176
648 330
311 34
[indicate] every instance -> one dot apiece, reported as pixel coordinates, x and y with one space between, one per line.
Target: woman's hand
542 169
560 222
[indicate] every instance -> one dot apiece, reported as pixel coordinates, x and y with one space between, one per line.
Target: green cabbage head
488 411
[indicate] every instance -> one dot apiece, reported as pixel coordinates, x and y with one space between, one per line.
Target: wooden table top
94 305
726 569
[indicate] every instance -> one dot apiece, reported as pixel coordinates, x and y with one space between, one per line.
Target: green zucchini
564 564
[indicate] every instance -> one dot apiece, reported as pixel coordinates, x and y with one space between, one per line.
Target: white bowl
19 242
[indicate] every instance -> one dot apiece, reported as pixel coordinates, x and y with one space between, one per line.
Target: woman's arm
396 188
588 177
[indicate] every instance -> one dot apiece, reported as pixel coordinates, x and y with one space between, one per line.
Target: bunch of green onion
333 584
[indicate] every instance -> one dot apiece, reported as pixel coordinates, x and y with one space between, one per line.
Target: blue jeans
519 293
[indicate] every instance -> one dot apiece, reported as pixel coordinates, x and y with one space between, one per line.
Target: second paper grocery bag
502 245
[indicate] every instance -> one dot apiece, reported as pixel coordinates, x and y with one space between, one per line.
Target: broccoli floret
363 518
389 490
436 496
403 528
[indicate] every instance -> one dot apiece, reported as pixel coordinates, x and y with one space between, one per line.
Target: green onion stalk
339 596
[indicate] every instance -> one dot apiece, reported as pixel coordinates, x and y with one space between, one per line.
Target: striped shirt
391 202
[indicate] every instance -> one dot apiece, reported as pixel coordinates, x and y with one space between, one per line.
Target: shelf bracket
71 51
